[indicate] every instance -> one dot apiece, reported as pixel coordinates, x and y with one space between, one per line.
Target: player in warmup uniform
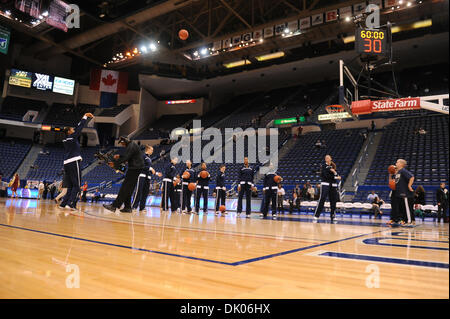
246 177
72 163
202 190
186 193
270 189
329 188
220 190
396 216
404 191
169 177
143 184
176 199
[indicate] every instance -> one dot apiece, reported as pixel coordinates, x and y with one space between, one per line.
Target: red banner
368 106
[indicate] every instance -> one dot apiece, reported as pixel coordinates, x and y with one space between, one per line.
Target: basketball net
336 110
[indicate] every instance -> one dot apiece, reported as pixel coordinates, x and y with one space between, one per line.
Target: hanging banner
268 32
317 19
345 12
305 23
217 45
257 35
359 8
331 16
247 37
226 43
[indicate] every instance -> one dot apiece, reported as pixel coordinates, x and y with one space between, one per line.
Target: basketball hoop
335 109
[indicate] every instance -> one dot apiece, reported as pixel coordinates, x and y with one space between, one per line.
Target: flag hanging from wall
110 84
109 81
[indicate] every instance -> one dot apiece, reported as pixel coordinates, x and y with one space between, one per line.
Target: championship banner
279 28
293 26
345 12
305 23
257 35
5 37
317 19
226 43
331 16
268 32
236 40
359 8
247 37
368 106
217 46
390 3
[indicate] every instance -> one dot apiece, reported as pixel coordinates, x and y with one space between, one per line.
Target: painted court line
399 261
190 257
376 241
232 233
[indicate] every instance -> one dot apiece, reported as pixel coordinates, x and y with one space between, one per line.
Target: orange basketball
191 187
391 169
277 179
183 34
392 184
204 174
186 175
222 208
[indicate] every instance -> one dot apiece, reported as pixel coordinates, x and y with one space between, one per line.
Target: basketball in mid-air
191 187
391 169
222 208
183 34
277 179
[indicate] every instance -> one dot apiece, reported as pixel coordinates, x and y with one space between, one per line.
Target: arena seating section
49 166
303 161
163 126
14 108
427 155
12 153
66 114
113 111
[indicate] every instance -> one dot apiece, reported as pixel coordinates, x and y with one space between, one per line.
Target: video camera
108 157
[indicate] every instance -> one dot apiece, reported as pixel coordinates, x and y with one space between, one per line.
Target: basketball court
98 254
317 107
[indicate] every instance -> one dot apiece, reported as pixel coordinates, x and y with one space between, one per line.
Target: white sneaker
274 217
315 219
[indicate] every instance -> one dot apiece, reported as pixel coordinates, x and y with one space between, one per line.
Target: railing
362 159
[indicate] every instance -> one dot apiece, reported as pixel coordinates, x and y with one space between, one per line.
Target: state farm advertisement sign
396 105
368 106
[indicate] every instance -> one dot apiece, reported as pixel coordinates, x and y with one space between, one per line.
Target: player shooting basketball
329 188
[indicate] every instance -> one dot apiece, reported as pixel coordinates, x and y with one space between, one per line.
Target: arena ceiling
109 27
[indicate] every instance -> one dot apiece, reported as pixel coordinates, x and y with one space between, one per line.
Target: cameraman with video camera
133 155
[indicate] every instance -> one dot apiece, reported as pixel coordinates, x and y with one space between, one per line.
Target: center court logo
260 146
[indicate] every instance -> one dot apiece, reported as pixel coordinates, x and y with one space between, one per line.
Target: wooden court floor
46 252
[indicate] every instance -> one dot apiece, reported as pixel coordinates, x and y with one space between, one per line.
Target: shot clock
372 42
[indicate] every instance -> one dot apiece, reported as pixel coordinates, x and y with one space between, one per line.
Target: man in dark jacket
133 155
442 201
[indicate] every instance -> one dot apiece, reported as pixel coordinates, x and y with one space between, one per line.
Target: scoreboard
372 42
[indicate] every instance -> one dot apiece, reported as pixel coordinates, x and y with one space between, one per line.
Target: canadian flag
109 81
